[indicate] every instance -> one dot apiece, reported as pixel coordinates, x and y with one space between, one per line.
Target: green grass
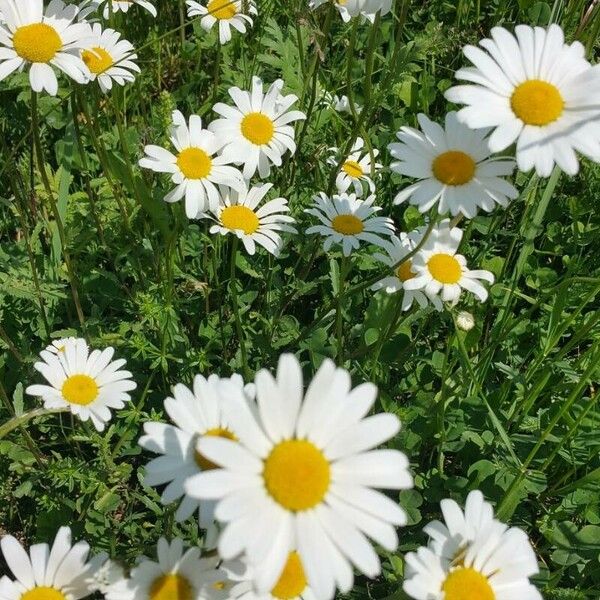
88 247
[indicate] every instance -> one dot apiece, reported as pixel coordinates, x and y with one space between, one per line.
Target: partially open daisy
227 13
109 58
537 90
88 384
125 5
302 477
348 9
195 169
41 40
454 167
177 575
440 270
195 413
472 556
356 170
396 249
239 213
256 132
347 221
57 573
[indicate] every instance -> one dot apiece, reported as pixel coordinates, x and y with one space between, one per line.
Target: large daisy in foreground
195 170
256 132
454 167
536 90
302 477
42 40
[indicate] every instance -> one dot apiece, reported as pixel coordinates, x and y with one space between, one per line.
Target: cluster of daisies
286 483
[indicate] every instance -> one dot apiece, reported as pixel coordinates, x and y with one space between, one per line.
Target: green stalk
345 267
15 422
236 309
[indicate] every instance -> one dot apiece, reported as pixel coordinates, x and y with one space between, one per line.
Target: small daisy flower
256 132
534 89
177 575
396 250
195 413
472 555
88 384
57 573
239 213
195 169
453 166
347 8
109 58
29 36
440 270
303 476
58 346
347 221
125 5
465 320
356 170
227 13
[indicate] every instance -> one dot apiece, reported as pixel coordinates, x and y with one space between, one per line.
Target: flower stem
339 316
15 422
236 310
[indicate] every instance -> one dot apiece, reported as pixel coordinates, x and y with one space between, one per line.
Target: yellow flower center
204 463
352 168
537 102
37 43
258 128
292 581
347 224
454 168
404 271
467 584
240 217
219 585
97 60
43 593
171 587
444 268
222 9
297 475
194 163
80 389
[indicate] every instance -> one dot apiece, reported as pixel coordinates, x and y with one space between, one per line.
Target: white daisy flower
440 270
454 167
59 345
354 8
227 13
57 573
109 58
256 132
88 384
536 90
302 477
356 170
177 575
472 555
195 413
29 36
347 221
195 169
239 213
340 104
396 250
125 5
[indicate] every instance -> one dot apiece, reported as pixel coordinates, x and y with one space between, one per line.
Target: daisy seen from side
88 383
227 14
357 169
125 5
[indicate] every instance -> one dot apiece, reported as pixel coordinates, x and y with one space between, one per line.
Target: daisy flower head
124 6
396 249
240 213
356 170
303 476
534 89
88 383
30 36
178 575
196 169
347 220
256 132
472 555
453 166
353 8
194 413
57 573
109 58
227 13
440 270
